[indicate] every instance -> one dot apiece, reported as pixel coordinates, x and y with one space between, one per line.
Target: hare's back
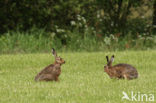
126 68
47 69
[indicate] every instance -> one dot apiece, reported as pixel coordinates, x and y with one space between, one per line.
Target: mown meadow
82 79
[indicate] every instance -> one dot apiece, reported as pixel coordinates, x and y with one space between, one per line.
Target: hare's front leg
56 78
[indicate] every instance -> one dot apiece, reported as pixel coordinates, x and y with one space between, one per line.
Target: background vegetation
92 25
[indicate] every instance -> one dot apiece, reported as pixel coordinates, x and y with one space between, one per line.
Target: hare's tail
37 78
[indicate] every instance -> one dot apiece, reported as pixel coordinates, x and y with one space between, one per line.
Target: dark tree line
113 14
154 15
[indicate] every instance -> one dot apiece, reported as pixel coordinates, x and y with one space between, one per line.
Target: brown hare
120 71
51 72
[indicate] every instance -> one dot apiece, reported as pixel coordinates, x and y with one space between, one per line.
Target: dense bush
105 16
41 13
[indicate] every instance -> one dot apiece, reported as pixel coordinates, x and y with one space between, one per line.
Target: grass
82 79
41 42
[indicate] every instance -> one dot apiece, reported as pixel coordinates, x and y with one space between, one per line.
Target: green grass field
82 80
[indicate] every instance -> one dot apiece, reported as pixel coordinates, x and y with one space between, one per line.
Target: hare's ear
107 59
112 59
54 52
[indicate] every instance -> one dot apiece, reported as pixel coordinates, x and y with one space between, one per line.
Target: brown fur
125 71
51 72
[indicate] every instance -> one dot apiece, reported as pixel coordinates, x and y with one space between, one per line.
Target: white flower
84 20
86 26
73 23
112 24
107 40
60 30
78 17
98 15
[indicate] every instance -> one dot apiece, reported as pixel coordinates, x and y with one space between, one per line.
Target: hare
120 71
51 72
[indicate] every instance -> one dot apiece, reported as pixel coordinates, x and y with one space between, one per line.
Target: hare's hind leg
130 76
134 76
45 77
125 76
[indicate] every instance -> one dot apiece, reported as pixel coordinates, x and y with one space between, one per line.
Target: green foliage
41 41
43 13
82 79
105 16
114 14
